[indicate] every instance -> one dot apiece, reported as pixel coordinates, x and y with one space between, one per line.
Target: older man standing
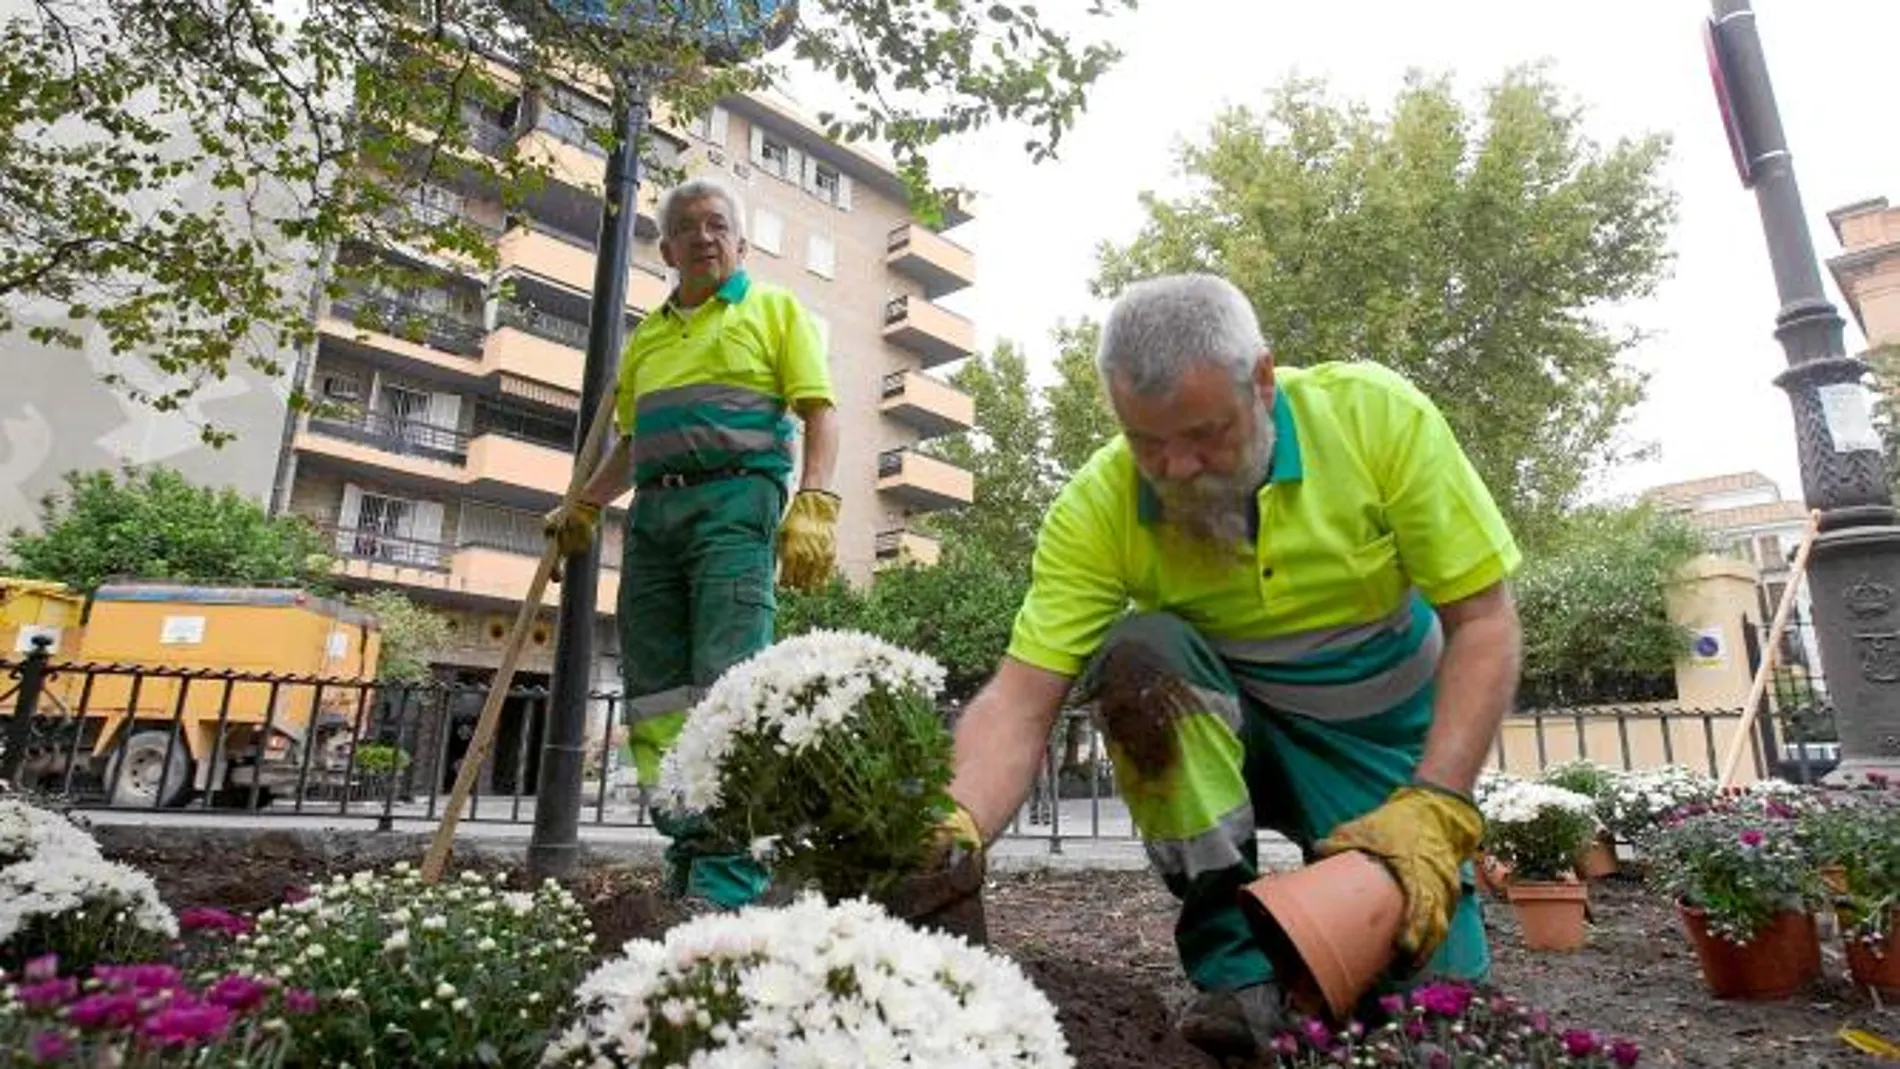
1321 639
708 384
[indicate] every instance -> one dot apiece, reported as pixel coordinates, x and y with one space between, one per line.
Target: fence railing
557 329
372 544
111 736
394 434
411 321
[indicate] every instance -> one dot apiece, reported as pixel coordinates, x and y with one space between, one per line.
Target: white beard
1213 512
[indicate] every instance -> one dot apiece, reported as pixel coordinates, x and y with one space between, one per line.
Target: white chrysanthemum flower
1523 801
51 885
26 831
819 985
799 688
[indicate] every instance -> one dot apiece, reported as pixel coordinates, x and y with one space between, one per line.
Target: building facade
1746 518
433 452
1868 267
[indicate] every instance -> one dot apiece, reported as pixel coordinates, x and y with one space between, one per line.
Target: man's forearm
1477 684
1000 742
821 448
612 478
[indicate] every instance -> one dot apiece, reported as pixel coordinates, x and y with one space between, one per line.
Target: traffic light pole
554 848
1855 578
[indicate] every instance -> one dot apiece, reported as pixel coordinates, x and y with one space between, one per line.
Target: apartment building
1868 267
435 450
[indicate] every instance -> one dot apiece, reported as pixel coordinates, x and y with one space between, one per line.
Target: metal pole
26 705
554 848
1856 557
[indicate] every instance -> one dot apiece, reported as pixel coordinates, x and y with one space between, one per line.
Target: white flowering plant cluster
59 895
824 755
1638 801
1537 829
809 986
459 972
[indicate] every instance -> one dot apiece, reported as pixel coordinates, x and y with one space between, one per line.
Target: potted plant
1538 830
1639 801
1855 836
1745 885
1596 782
826 757
1450 1024
1493 875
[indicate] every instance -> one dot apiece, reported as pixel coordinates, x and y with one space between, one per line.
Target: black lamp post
726 37
1854 568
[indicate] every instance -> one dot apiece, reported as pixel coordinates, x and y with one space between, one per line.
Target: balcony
407 327
433 448
499 461
935 335
474 570
940 265
532 344
923 483
568 259
581 164
896 548
930 407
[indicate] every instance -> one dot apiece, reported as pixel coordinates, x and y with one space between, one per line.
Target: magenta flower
47 994
1444 1000
1752 838
1415 1028
109 1009
1580 1044
1392 1005
1624 1053
49 1048
1539 1021
235 992
294 895
1317 1033
186 1022
44 967
299 1001
1286 1043
1438 1060
212 919
138 977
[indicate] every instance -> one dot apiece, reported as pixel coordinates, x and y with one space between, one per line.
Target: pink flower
44 967
1317 1033
1624 1053
110 1009
1539 1021
186 1022
1392 1005
1444 1000
1752 838
138 977
294 895
212 919
1286 1043
48 1048
239 993
299 1001
1580 1044
48 993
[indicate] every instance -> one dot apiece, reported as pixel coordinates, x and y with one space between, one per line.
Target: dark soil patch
1100 945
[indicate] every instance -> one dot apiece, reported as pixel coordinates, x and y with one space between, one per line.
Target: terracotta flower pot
1782 958
1877 966
1551 912
1328 928
1598 859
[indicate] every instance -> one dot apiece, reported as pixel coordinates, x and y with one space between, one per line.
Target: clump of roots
1138 699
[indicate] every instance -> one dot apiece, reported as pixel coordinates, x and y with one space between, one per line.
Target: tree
153 524
411 635
1593 605
1081 420
1884 361
174 173
1467 249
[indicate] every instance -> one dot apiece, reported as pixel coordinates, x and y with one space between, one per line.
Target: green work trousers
696 598
1241 765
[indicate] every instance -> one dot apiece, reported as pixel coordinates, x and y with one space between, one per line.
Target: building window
768 231
775 155
1768 550
711 127
824 183
572 118
821 256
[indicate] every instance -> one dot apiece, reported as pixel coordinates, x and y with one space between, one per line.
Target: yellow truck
159 690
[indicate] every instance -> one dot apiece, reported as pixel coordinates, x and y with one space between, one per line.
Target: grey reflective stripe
730 398
1211 851
652 448
1283 649
1225 706
1352 701
676 700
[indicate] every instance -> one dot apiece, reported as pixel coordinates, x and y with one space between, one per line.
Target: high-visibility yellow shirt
709 389
1368 504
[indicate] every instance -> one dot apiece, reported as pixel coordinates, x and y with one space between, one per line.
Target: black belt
674 480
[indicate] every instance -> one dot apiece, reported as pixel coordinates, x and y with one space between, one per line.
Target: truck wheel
143 775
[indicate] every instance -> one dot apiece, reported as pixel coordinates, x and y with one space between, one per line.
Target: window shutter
445 410
425 521
794 166
719 126
758 146
350 516
810 177
844 192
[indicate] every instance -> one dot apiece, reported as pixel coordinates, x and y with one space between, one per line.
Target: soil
1100 945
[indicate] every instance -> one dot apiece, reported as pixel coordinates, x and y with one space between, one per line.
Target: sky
1635 66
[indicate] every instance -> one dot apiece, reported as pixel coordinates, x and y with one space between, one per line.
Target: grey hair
699 189
1160 327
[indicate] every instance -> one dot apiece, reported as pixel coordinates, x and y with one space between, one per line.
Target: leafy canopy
150 523
175 174
1471 249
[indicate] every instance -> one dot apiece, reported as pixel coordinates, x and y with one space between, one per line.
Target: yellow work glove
808 539
1423 832
571 528
958 832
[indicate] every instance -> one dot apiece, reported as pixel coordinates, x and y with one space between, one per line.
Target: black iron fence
177 739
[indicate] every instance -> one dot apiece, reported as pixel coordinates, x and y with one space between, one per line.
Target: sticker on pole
1849 417
723 29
